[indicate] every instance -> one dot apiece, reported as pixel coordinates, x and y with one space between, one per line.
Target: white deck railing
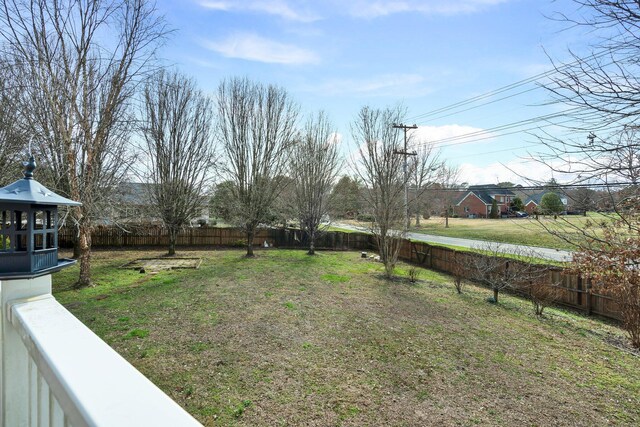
56 372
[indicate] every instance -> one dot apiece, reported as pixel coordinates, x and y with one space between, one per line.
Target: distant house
477 200
532 202
132 203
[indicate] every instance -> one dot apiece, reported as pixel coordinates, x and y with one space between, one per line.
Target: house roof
537 198
28 190
484 192
134 193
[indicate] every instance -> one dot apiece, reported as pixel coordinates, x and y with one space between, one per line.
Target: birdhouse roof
30 191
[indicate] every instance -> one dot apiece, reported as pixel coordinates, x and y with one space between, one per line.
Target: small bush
458 271
414 274
541 295
366 218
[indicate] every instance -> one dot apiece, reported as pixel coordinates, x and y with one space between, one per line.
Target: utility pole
405 153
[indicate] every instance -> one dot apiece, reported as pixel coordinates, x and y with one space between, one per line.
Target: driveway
544 253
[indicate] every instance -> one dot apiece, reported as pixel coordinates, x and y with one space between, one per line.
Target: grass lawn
525 231
289 339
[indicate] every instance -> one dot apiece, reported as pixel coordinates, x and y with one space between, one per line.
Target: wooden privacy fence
207 236
574 292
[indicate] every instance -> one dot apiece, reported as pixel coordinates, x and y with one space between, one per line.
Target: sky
339 56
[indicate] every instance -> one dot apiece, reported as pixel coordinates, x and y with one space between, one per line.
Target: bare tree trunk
446 218
250 236
312 242
76 247
495 295
418 218
84 244
173 238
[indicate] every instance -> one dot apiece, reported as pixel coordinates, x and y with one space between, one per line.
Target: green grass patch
523 231
520 231
282 339
335 278
137 333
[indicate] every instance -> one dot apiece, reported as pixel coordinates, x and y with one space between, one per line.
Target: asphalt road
544 253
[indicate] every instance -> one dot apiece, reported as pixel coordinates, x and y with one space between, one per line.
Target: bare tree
442 194
603 88
314 167
381 171
499 269
601 93
12 138
78 62
177 128
425 169
257 128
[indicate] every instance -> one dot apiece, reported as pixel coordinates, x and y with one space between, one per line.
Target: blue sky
340 55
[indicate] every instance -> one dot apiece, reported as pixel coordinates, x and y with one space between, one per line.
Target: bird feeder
29 228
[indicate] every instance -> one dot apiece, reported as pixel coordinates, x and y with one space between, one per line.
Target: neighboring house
132 203
532 202
477 200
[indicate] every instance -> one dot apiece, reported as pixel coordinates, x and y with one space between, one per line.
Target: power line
483 133
493 152
481 105
510 86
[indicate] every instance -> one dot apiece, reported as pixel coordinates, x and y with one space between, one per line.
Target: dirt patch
149 265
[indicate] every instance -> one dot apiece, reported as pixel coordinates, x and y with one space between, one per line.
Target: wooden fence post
588 296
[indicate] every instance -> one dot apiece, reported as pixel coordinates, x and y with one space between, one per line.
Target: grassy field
525 231
288 339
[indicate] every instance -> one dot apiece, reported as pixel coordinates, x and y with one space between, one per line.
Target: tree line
85 90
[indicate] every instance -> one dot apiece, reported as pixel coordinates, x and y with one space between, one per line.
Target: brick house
477 200
532 202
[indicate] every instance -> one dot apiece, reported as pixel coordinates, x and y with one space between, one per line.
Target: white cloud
386 84
252 47
271 7
374 9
